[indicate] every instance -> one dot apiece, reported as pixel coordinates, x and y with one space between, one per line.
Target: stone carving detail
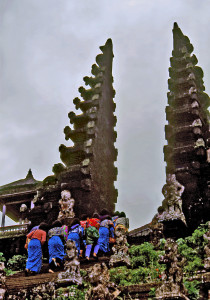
157 234
23 207
41 291
172 204
120 248
38 196
206 236
172 286
66 205
98 276
71 266
44 291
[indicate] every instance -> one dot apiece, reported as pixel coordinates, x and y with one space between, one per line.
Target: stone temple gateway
86 174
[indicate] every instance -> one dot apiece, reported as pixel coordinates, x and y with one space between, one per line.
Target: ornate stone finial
206 236
71 272
66 205
172 204
172 286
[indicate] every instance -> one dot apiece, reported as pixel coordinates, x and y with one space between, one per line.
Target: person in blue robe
104 233
75 233
56 247
37 239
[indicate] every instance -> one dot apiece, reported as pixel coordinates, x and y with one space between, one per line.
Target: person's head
95 215
84 217
56 223
75 221
104 212
43 226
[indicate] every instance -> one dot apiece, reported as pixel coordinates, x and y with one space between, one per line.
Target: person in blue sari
104 233
56 246
75 233
37 240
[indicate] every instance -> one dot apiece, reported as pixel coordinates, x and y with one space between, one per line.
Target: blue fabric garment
56 248
34 262
89 248
103 240
111 231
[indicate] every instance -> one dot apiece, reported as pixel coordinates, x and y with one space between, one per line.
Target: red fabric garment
38 234
85 224
94 222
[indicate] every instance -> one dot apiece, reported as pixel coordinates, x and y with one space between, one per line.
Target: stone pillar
3 215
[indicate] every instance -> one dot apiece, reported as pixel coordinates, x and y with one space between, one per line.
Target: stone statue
23 208
172 204
66 205
172 286
98 276
71 272
206 237
23 213
120 249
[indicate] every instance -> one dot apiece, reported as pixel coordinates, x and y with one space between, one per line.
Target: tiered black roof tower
187 132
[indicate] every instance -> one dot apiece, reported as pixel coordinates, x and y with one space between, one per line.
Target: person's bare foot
51 271
95 256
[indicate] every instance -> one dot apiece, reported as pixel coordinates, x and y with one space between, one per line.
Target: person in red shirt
37 239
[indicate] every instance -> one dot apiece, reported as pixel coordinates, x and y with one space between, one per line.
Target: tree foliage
192 248
144 266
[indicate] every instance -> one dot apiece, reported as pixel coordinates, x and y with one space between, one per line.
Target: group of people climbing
91 235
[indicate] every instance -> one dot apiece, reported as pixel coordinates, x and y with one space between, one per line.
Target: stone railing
13 231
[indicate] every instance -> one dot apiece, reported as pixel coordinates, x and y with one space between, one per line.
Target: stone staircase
19 281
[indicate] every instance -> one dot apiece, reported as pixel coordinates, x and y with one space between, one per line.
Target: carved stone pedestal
172 286
169 291
98 276
71 272
120 249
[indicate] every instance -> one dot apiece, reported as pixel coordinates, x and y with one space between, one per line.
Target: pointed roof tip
29 175
109 41
107 44
176 29
175 25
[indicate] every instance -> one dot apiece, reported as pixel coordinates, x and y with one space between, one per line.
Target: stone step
19 281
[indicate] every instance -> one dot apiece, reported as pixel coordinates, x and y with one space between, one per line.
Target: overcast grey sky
48 46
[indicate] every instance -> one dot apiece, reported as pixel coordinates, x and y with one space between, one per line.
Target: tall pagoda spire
187 131
89 164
